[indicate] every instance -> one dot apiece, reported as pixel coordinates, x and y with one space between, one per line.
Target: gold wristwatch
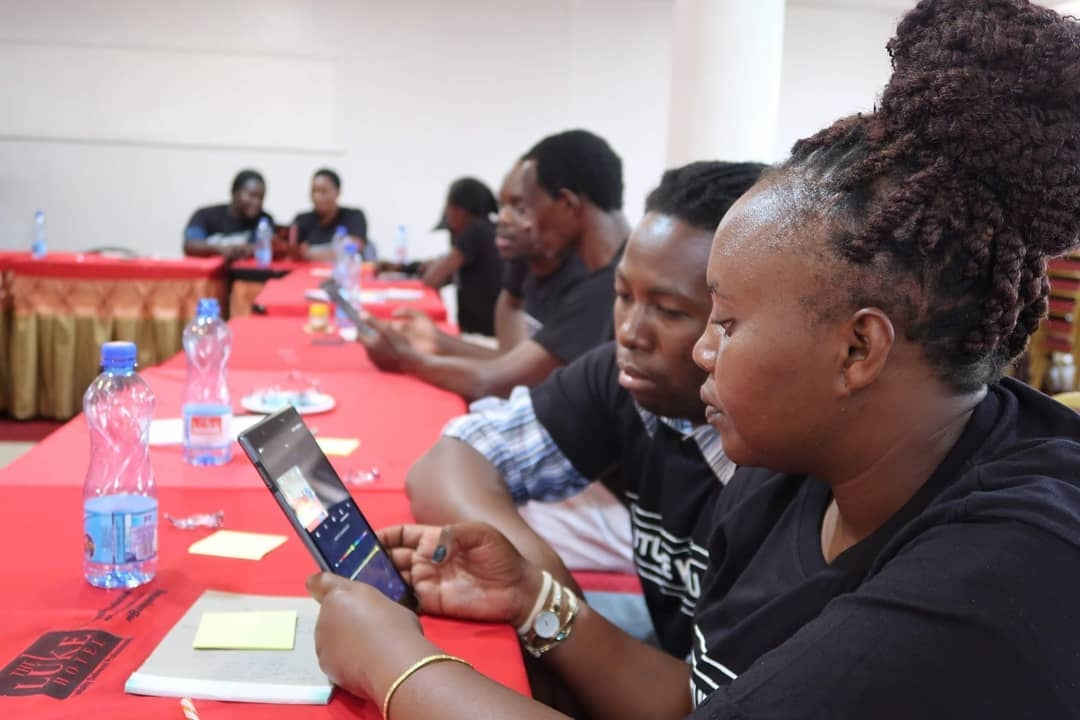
552 618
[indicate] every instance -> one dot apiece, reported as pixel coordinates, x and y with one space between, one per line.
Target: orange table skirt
57 325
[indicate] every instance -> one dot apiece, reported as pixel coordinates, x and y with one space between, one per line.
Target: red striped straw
190 713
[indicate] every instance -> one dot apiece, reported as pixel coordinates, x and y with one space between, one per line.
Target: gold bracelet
410 671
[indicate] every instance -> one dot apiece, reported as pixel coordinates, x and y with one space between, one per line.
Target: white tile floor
11 450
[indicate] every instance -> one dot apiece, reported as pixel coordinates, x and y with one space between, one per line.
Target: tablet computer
318 505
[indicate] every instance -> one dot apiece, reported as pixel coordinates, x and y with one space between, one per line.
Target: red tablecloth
395 418
285 296
84 266
45 599
281 343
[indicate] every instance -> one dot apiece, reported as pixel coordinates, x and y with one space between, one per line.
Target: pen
190 713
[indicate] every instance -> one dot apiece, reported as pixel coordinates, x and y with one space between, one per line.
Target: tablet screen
320 507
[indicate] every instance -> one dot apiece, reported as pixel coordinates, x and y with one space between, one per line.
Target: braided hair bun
965 179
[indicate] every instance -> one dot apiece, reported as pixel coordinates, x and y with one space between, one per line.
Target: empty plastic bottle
39 245
347 273
264 248
207 408
401 245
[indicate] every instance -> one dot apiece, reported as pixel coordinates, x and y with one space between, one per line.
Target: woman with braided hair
913 549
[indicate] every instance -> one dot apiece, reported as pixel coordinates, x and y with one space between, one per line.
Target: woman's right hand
468 570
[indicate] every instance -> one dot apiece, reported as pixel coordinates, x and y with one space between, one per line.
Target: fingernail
440 554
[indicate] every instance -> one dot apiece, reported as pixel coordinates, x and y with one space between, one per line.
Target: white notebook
176 669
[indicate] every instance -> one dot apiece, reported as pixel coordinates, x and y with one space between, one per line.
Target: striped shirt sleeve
508 433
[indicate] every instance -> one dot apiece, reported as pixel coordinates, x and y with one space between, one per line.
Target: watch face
546 625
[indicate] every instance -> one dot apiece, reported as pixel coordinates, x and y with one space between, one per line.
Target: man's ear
869 335
571 199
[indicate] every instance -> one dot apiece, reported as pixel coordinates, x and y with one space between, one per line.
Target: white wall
400 97
835 64
163 102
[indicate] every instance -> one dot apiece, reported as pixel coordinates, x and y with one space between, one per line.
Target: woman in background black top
913 549
229 230
312 232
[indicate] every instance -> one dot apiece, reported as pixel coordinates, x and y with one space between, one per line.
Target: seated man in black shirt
633 403
312 232
911 550
229 230
533 284
573 198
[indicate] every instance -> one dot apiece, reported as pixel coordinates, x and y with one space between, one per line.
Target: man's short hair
581 162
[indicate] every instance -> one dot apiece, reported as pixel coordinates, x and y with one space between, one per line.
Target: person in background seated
901 537
229 230
533 284
572 197
632 404
312 232
473 263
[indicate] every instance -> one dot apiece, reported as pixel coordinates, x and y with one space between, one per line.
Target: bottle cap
351 248
341 230
118 353
208 307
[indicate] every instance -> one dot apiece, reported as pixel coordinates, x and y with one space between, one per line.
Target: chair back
1059 332
1069 399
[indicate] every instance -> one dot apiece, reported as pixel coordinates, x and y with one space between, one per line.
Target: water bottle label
118 537
207 427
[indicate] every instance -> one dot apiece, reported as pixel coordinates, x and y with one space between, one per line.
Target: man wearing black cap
473 261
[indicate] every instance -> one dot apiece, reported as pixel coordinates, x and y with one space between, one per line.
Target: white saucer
306 403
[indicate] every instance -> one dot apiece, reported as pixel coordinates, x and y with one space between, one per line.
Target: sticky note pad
337 446
257 630
234 544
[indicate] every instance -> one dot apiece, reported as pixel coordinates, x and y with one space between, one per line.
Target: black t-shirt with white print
965 604
666 481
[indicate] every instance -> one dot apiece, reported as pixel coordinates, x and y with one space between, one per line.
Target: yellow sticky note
235 544
337 446
261 630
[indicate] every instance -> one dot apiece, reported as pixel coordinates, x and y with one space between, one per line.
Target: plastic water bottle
338 242
207 408
264 248
120 503
347 275
401 245
39 246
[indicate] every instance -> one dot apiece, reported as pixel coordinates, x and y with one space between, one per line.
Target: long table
50 607
285 296
63 306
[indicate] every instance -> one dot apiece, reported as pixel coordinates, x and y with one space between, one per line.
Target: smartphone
318 505
333 292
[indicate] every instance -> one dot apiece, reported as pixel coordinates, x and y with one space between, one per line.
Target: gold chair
1060 330
1069 399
